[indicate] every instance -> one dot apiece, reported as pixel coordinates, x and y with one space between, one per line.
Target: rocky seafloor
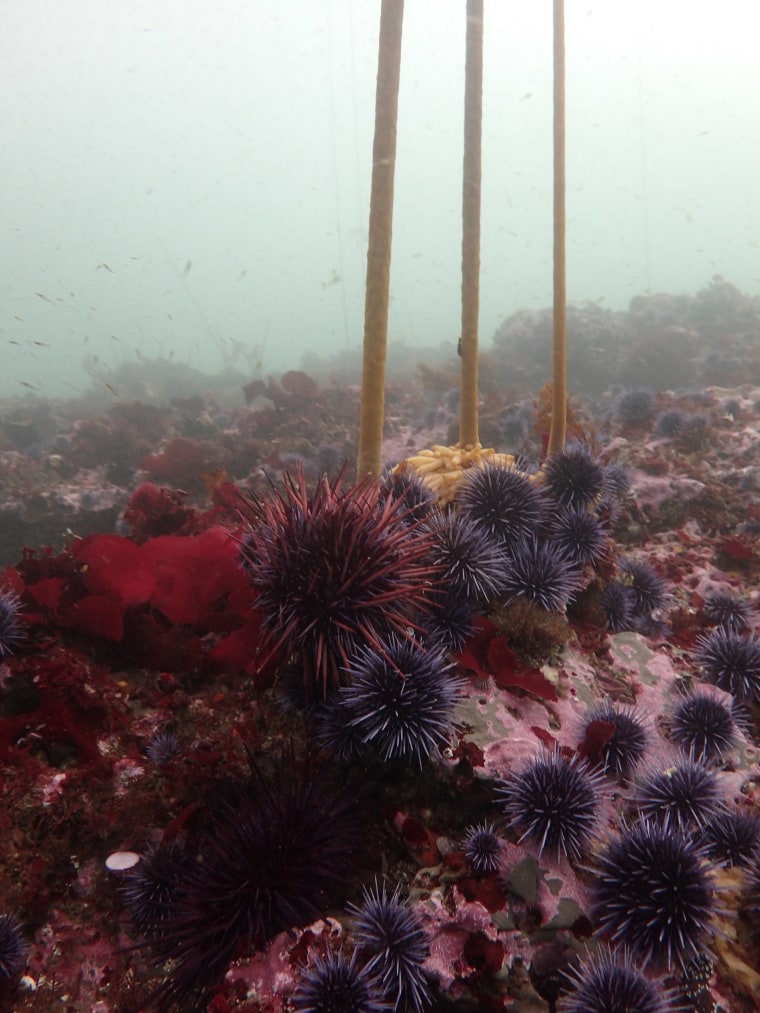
138 713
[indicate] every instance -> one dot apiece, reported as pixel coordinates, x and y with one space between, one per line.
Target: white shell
118 861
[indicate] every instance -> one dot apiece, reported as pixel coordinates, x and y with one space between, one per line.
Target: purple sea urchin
617 482
682 797
647 588
703 727
636 405
11 633
553 803
13 948
401 699
337 984
669 424
152 889
473 564
163 747
625 748
334 570
751 897
728 610
580 535
732 662
335 732
450 623
731 836
541 573
607 982
482 847
618 605
390 935
574 478
408 487
503 503
654 893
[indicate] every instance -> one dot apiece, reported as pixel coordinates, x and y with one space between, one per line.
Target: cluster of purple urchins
367 589
654 891
274 855
338 570
384 971
548 528
629 601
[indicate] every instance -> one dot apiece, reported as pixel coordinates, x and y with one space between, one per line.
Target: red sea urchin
334 571
275 856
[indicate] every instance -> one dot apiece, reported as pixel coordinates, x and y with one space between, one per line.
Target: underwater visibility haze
191 180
